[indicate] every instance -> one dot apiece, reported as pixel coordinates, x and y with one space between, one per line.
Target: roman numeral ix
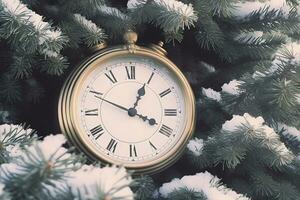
130 72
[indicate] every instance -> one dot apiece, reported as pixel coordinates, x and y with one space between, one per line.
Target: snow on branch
113 181
90 33
170 15
245 8
12 139
230 88
52 171
195 146
202 182
23 24
289 131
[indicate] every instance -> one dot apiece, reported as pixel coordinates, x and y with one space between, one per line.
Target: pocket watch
128 105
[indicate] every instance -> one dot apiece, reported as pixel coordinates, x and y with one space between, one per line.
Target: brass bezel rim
70 128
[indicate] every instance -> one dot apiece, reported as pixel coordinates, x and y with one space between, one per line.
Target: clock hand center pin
131 111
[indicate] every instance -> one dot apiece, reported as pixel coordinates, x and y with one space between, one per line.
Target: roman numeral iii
112 145
111 77
97 131
93 112
164 93
170 112
132 150
165 130
130 72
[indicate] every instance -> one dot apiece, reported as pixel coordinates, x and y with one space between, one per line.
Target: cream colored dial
132 109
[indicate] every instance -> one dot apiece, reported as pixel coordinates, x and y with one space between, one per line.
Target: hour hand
141 92
151 121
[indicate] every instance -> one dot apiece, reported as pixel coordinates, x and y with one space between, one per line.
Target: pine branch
287 191
27 32
222 8
243 136
81 30
209 36
39 168
86 8
113 21
22 65
54 64
263 185
34 90
12 139
187 194
143 188
10 89
171 16
265 19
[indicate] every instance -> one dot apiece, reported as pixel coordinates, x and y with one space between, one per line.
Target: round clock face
131 110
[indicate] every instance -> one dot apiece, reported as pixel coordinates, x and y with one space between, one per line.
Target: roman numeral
111 77
131 72
93 112
112 145
152 145
150 78
164 93
165 130
97 131
170 112
132 150
96 93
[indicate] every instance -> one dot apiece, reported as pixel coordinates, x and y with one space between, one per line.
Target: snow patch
256 124
246 7
212 94
209 67
196 146
132 4
232 87
202 182
17 129
112 180
290 131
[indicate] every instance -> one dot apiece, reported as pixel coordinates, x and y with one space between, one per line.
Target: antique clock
128 105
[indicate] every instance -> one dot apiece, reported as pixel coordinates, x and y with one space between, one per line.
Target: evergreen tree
242 58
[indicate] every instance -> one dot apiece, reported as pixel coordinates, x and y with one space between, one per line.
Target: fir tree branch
171 16
112 20
81 30
143 187
86 8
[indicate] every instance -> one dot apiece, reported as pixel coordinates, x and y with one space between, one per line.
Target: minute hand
114 104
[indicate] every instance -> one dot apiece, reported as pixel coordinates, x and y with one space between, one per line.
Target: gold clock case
67 108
